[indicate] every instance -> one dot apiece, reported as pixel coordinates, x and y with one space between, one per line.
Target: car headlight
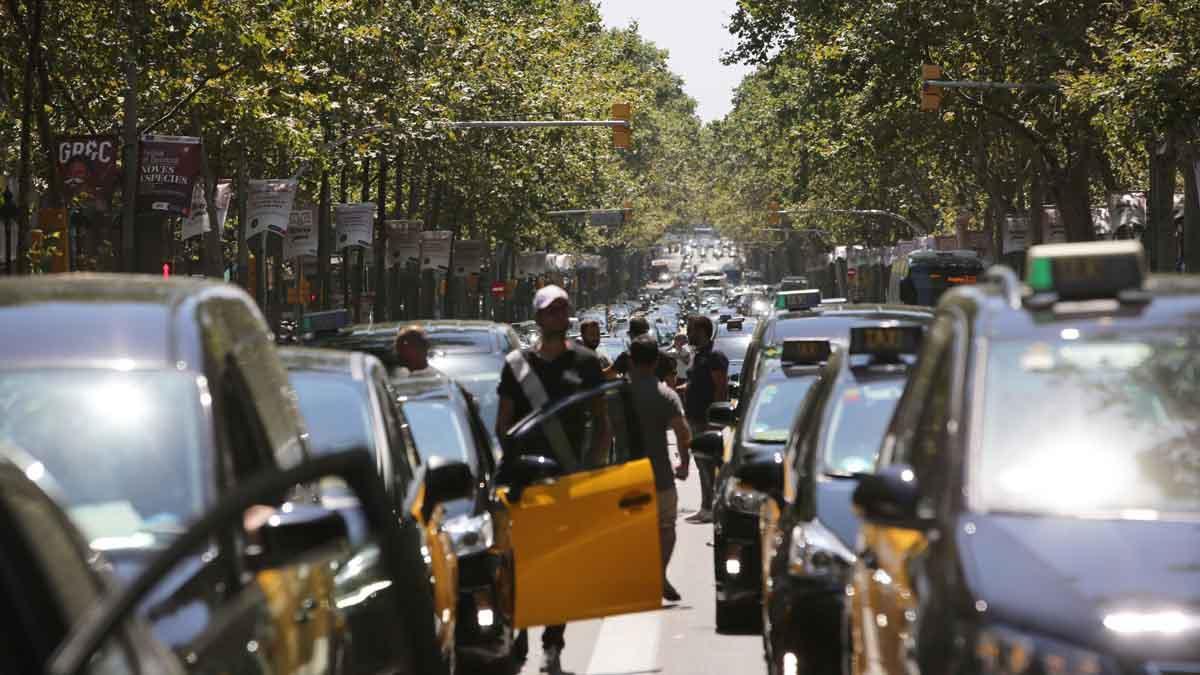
817 552
470 534
743 498
1000 650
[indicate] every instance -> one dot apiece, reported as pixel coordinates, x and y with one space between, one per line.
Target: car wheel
734 619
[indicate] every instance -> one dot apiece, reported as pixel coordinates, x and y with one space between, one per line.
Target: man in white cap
535 378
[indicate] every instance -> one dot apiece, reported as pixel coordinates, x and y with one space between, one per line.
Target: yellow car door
883 596
586 545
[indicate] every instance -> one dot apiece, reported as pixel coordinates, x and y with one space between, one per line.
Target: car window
440 431
774 408
336 410
1119 416
859 415
462 342
132 455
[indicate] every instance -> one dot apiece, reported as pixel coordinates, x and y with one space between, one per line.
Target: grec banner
197 223
468 257
435 250
403 242
87 166
354 224
269 206
167 171
301 238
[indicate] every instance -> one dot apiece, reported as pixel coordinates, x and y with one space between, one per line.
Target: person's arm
720 375
504 416
683 441
601 431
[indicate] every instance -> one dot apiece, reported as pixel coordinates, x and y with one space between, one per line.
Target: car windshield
439 431
461 342
859 417
930 281
483 387
336 411
774 408
127 451
1088 427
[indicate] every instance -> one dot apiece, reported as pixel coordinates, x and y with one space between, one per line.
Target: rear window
462 342
774 408
734 348
440 431
336 411
860 416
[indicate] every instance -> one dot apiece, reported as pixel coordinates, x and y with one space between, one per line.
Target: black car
51 580
471 352
830 322
754 465
176 396
1035 504
733 339
808 530
347 402
445 422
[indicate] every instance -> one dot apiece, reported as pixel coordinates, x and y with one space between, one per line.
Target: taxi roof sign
805 351
798 300
735 324
1086 271
886 340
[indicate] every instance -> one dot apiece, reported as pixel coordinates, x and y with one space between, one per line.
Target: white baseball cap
547 295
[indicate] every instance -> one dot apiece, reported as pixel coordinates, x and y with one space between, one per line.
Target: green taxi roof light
1086 270
1040 276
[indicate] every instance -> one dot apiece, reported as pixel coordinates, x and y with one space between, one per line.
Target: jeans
707 471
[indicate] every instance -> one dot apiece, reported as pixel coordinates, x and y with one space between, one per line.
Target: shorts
668 508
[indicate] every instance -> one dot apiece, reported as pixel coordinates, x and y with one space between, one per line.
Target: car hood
835 508
1062 576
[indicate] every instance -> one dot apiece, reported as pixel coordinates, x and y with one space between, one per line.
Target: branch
190 95
1038 140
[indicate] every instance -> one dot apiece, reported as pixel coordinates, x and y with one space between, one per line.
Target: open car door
585 537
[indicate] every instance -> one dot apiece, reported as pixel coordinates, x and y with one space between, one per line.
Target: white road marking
627 644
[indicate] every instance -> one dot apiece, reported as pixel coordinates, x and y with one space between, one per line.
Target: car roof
425 387
350 363
93 318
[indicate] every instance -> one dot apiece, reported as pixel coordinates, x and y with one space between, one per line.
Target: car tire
734 619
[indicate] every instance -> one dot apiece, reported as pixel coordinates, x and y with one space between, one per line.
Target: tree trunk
1191 210
1160 240
379 238
324 243
26 183
130 146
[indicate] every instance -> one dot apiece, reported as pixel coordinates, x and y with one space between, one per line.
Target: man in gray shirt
659 409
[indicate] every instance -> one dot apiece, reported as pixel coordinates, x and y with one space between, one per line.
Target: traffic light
931 94
622 135
773 215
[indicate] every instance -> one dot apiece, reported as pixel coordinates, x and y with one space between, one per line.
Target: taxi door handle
635 500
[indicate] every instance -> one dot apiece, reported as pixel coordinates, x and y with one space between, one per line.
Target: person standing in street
659 409
708 383
589 336
412 350
682 355
536 378
639 326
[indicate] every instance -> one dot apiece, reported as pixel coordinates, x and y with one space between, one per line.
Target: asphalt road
680 639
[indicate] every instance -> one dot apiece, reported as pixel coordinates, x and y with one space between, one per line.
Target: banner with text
269 205
403 242
435 250
468 257
1127 214
168 167
197 223
87 166
1016 232
301 240
354 224
1053 229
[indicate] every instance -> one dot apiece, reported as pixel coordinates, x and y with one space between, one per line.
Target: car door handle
304 612
869 559
635 500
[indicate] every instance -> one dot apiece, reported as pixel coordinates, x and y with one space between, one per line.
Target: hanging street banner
269 205
1016 233
168 167
197 223
403 242
87 166
468 257
354 224
1053 229
435 250
1126 213
531 264
301 240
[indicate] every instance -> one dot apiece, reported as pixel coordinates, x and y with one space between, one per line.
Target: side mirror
446 481
710 447
722 414
889 498
527 470
294 530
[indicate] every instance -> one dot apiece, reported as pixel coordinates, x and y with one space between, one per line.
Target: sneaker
551 661
669 592
701 516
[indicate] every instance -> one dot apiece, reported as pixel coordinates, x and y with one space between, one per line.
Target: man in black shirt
708 382
552 371
639 326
